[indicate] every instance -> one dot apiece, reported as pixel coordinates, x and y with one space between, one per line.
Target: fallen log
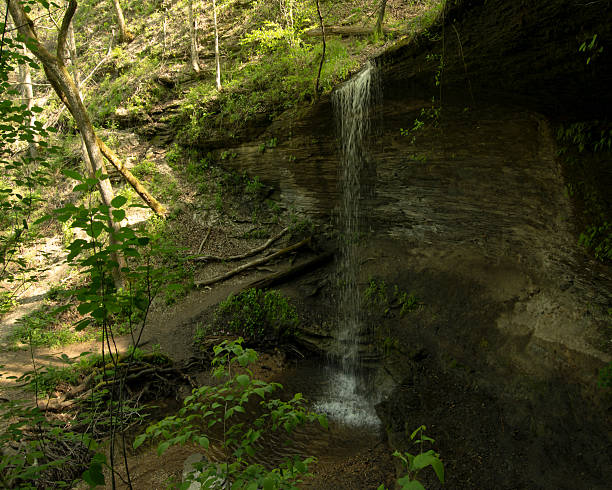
261 248
262 260
110 155
291 272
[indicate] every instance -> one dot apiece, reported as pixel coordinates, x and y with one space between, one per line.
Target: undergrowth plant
33 450
585 148
413 464
228 417
258 315
101 305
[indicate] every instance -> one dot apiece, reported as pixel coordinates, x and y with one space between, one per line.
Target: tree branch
63 33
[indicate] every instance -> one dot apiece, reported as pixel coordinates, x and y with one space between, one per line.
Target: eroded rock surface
470 214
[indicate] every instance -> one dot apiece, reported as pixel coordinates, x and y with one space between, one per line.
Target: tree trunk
217 57
323 53
63 84
378 30
108 190
125 36
25 80
195 62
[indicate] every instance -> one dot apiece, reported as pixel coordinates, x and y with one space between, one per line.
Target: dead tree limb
116 162
205 239
248 265
261 248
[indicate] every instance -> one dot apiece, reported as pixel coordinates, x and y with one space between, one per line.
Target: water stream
350 397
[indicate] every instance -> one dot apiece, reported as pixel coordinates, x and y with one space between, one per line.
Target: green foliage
377 296
279 81
7 302
41 459
587 136
22 174
605 376
226 407
257 314
268 38
413 464
591 48
46 379
144 169
598 239
133 90
42 329
586 151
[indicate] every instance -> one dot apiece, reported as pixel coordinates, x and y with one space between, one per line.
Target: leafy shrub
258 315
224 408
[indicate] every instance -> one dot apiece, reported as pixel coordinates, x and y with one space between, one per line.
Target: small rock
189 468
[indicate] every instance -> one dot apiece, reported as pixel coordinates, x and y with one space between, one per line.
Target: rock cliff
470 214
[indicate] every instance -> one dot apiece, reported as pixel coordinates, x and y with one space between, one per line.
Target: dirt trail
33 295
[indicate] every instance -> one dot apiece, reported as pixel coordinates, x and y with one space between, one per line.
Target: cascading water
349 398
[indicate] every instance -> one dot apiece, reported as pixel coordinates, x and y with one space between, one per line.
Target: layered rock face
470 213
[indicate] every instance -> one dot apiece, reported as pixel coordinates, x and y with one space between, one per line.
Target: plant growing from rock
225 416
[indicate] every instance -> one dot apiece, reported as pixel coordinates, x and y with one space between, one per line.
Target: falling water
353 102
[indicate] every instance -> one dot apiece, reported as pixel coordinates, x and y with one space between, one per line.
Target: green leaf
242 379
87 307
407 484
439 469
416 431
139 440
83 324
163 447
72 174
423 460
118 201
94 476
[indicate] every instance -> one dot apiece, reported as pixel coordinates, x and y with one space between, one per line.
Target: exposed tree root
254 263
216 258
291 272
133 374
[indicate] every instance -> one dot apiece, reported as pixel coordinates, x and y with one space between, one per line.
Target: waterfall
353 102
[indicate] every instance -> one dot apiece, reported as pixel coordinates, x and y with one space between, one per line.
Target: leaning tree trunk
108 190
63 84
125 36
217 57
195 61
378 30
